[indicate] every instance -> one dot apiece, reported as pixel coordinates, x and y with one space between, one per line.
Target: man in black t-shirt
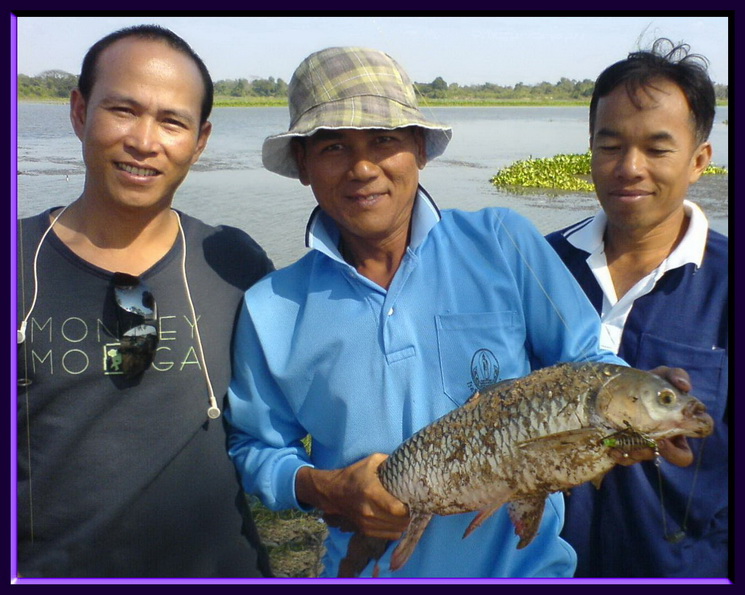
126 310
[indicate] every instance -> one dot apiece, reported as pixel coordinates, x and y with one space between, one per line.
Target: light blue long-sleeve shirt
321 350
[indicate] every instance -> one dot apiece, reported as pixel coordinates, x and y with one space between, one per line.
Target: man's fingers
676 451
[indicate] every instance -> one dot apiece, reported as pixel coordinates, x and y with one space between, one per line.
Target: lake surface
229 184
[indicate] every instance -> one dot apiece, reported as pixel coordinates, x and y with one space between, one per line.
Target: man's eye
174 123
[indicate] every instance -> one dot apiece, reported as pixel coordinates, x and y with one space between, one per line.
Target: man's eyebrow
661 136
326 134
607 132
656 137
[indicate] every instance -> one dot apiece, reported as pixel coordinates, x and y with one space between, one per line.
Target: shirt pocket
478 349
708 368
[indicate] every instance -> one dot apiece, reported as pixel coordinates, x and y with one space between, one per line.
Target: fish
515 442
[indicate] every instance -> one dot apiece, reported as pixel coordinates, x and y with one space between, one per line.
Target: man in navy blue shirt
658 277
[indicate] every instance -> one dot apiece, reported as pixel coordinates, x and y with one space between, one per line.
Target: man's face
643 160
140 126
366 180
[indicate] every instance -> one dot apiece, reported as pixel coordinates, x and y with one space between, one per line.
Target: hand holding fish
353 498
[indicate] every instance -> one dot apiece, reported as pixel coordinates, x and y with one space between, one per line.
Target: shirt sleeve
561 323
264 437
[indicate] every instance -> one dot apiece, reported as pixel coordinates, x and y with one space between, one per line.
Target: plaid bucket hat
349 87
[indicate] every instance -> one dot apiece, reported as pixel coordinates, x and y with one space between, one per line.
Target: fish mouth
136 170
696 412
693 422
696 422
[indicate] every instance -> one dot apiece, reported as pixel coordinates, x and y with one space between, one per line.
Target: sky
503 50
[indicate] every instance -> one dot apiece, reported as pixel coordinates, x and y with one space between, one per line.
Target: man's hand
356 495
674 450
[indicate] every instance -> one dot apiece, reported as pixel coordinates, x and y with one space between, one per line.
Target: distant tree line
57 83
47 85
564 90
255 88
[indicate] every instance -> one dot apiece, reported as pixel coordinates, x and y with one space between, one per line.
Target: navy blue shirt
619 530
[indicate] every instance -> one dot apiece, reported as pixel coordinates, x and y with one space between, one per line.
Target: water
229 184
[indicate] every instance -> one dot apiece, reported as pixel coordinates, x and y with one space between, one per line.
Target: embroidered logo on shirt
484 369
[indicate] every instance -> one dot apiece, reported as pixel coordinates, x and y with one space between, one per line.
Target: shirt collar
587 235
322 232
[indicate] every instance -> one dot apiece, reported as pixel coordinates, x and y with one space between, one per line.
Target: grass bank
228 101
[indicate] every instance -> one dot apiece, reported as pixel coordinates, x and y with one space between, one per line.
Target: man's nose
143 135
363 166
630 164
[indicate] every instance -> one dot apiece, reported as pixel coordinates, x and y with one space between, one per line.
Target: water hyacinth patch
568 172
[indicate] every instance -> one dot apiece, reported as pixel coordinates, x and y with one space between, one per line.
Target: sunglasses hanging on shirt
137 324
137 321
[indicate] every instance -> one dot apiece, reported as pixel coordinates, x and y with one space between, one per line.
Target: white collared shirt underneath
614 311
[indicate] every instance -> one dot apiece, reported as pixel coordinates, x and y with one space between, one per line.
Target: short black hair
664 61
87 77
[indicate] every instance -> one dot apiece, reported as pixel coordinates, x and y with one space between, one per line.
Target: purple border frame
14 579
13 100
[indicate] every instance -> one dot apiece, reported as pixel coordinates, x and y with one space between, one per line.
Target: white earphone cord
214 411
21 336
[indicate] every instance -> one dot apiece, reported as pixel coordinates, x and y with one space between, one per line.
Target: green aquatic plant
715 170
567 172
561 172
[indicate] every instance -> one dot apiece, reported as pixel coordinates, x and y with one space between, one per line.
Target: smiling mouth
137 171
366 197
630 194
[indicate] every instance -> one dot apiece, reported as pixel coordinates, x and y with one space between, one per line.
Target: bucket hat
349 87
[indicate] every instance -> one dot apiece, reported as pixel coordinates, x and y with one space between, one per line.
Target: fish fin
597 481
526 516
361 549
473 399
406 546
561 440
480 518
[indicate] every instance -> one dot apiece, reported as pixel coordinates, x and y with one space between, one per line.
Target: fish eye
666 397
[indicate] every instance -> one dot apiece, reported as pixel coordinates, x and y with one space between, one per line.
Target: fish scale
518 441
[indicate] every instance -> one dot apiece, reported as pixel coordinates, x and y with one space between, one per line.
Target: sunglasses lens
134 296
137 348
137 320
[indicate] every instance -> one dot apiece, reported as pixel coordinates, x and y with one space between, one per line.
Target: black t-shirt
129 477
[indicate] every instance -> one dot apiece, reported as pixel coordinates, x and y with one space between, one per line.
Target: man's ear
700 161
77 113
421 141
298 153
204 134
